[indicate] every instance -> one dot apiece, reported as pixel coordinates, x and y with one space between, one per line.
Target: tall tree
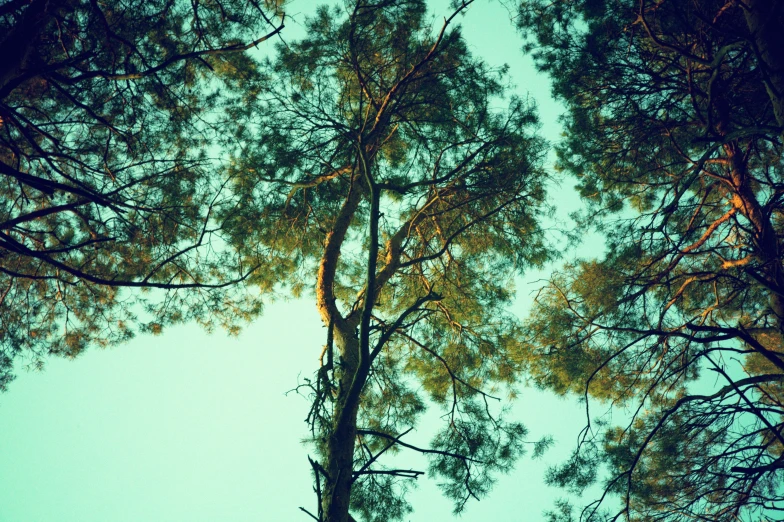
674 133
380 174
107 114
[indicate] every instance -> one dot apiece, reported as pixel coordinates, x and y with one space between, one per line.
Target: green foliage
106 114
576 474
381 497
562 513
489 446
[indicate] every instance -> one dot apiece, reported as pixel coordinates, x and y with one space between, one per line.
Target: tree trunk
765 20
339 455
16 47
764 240
354 347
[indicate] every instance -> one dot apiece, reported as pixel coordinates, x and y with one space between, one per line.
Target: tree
674 134
106 114
378 170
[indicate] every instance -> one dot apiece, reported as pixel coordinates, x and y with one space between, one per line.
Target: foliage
377 164
106 120
674 133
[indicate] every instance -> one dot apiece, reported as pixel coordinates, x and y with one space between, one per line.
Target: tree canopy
375 164
389 174
107 116
674 135
150 162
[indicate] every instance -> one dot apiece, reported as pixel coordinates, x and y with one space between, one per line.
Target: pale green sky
191 427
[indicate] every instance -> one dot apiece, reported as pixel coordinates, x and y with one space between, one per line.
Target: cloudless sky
191 427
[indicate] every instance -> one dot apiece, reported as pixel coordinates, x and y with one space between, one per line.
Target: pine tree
674 134
380 174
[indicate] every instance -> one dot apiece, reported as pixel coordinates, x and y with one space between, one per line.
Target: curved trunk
353 371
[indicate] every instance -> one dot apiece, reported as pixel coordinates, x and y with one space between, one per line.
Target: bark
325 298
340 441
765 240
355 353
16 48
765 20
339 456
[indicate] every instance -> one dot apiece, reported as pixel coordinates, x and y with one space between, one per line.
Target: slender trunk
338 450
355 352
354 347
339 455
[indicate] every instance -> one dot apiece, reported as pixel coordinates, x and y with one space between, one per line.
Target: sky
187 426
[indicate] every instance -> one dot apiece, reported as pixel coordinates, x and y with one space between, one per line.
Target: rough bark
764 240
765 20
339 456
354 350
339 446
16 48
